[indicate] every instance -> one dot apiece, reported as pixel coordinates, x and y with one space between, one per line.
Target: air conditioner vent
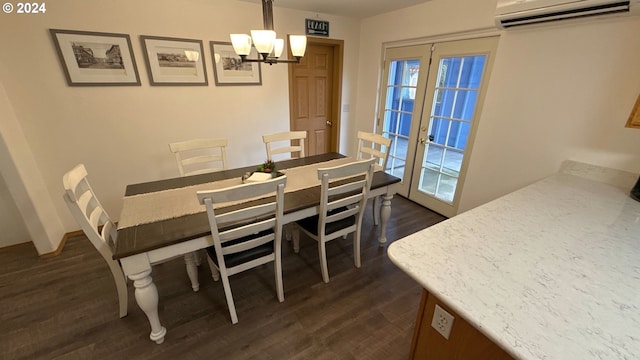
526 12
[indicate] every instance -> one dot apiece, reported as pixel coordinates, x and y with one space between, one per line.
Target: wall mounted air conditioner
511 13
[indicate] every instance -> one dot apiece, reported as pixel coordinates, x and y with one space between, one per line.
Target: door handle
423 141
329 123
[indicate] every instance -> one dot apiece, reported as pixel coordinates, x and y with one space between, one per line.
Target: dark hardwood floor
66 307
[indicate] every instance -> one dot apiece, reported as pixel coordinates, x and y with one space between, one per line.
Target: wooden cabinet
634 118
465 342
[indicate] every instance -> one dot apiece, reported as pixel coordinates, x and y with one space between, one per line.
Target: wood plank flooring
66 307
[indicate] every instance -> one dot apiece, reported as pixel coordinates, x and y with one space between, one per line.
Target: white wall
556 92
26 188
12 227
121 133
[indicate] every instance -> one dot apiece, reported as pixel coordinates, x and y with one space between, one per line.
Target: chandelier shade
298 45
266 42
241 44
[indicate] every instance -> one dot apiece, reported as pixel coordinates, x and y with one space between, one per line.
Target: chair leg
192 270
322 254
215 274
229 296
376 212
278 273
287 229
356 248
296 240
121 286
198 257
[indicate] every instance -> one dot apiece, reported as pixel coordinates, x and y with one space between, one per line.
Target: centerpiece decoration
264 172
268 167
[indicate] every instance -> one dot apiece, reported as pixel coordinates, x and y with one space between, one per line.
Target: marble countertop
551 271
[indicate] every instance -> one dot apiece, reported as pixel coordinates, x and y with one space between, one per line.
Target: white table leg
192 269
147 299
385 214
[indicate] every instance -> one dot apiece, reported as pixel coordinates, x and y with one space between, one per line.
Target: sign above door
316 27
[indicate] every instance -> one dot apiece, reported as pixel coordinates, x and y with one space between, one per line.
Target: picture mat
96 76
179 75
229 70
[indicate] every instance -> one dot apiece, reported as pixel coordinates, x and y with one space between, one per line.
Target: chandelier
268 46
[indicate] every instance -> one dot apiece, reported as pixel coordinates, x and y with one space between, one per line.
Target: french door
442 129
405 73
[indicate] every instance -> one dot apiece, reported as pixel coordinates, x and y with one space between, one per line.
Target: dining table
149 239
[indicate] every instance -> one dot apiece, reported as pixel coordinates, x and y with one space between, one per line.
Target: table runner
168 204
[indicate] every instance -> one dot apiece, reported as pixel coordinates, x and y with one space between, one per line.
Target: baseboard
15 246
57 251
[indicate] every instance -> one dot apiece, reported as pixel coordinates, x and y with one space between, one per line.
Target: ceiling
351 8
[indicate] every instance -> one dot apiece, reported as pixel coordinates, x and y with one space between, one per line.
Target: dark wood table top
146 237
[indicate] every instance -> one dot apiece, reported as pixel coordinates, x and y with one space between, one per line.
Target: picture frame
634 117
95 58
228 70
174 61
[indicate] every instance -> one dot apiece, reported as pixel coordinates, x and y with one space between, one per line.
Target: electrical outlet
442 321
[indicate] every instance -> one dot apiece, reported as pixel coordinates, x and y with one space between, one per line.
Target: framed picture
173 61
229 70
634 117
95 59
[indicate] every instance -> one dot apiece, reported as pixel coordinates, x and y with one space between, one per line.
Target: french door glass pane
459 134
446 187
398 113
428 181
465 103
439 131
437 184
442 159
433 160
395 166
454 103
452 162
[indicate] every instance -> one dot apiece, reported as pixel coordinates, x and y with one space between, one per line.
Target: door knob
423 141
329 123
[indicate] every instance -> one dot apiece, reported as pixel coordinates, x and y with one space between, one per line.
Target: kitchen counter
550 271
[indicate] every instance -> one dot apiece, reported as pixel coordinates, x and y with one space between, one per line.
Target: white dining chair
281 143
376 146
200 156
101 231
248 236
343 197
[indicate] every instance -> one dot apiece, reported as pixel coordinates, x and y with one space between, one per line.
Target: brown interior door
311 96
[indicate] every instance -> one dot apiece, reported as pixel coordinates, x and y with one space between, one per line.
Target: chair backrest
200 156
88 212
375 146
344 194
245 220
280 143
